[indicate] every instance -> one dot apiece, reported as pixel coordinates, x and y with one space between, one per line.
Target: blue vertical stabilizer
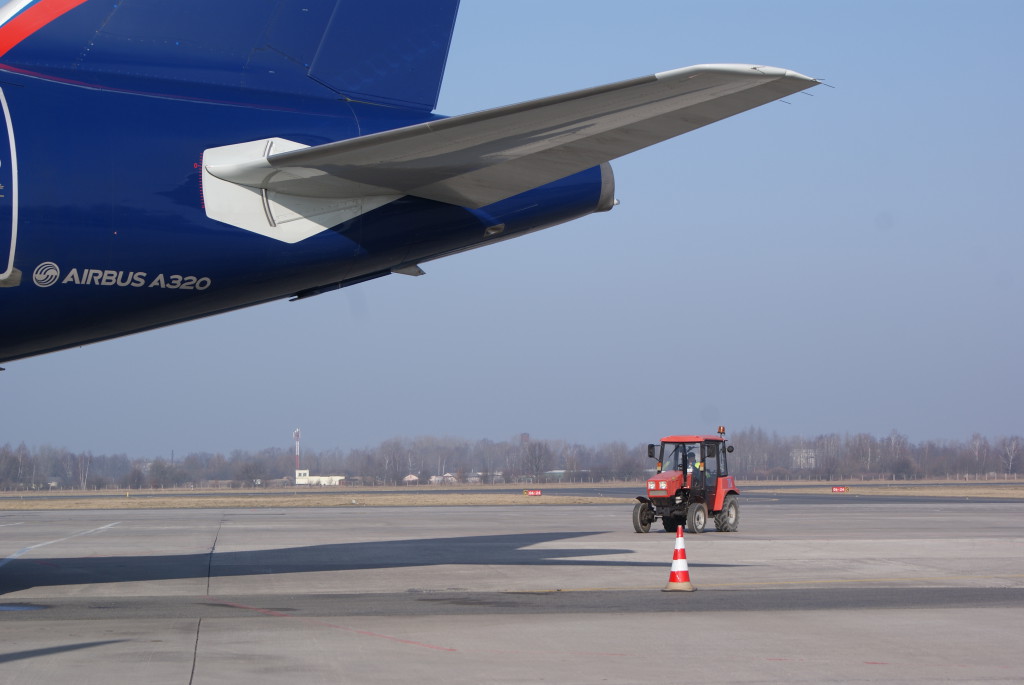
383 51
387 51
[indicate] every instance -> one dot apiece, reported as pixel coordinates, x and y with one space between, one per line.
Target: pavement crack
213 548
195 653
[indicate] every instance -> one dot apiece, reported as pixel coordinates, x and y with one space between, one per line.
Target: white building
303 478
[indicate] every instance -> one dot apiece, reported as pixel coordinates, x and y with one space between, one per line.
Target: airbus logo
46 274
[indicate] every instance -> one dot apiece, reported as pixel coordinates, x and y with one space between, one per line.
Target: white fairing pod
271 213
607 198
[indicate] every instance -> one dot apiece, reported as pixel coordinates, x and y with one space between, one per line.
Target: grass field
468 495
1001 489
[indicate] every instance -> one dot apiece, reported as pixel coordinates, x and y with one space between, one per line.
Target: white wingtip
738 69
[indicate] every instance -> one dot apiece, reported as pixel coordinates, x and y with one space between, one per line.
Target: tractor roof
693 438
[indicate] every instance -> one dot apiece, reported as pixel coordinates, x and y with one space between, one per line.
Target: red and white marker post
679 578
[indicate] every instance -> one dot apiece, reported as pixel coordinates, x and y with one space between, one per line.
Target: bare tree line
759 455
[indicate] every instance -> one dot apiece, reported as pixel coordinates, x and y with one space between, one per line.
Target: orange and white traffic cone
679 578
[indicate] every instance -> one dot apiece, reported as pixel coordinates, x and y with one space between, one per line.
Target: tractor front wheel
643 517
696 518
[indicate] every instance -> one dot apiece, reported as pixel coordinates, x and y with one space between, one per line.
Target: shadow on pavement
507 550
47 651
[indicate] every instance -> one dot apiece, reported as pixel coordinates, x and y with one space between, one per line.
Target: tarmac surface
910 590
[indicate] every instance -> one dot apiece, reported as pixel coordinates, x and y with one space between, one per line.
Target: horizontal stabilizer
477 159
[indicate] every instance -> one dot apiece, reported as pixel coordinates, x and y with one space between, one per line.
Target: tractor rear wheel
643 516
728 520
696 518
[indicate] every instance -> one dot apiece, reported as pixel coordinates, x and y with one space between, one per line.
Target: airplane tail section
387 52
390 52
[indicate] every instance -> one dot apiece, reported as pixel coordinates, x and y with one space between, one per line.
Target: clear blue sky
849 262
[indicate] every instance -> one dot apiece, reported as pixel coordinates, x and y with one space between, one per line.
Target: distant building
302 477
411 479
803 458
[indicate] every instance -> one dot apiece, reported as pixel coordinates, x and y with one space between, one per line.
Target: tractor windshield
679 456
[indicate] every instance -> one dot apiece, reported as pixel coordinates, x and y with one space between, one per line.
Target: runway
834 592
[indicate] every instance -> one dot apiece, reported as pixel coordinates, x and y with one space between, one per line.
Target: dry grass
1003 490
354 498
423 497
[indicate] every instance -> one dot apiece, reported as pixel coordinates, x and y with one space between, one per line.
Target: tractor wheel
671 523
696 518
728 520
643 515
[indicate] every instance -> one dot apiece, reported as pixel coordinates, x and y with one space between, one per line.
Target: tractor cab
691 481
695 461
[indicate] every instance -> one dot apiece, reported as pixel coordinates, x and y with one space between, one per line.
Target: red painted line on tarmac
560 652
385 637
367 633
265 612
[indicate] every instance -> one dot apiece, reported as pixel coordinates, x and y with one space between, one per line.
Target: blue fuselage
111 232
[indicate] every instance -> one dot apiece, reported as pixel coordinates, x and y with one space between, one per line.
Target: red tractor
692 482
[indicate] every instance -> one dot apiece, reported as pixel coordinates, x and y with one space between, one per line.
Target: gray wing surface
477 159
